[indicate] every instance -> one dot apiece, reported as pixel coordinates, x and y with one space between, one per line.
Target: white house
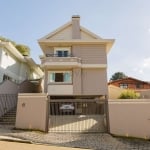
16 67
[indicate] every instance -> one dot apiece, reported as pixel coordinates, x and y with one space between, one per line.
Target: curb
12 139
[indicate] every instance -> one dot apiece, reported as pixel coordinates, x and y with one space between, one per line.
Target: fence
77 115
7 103
130 117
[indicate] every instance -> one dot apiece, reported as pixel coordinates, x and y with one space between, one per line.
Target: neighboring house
130 83
16 67
114 92
75 61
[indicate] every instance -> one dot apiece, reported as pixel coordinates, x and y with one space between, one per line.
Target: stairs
9 118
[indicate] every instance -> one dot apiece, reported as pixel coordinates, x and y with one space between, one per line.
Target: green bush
23 49
129 94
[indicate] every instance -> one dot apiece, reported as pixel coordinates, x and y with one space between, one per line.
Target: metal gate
8 105
77 115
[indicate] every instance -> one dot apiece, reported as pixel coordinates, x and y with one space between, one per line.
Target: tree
117 75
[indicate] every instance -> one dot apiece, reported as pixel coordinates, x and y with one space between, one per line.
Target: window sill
60 83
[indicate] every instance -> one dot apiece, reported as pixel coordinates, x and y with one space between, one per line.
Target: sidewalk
68 141
24 146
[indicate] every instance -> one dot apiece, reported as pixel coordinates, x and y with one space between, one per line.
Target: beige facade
74 61
32 112
130 118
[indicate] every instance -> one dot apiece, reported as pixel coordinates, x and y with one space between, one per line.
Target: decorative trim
94 66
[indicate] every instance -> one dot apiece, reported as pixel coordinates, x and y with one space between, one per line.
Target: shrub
23 49
129 94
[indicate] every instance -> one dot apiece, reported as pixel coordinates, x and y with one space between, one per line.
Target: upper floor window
124 85
62 51
60 76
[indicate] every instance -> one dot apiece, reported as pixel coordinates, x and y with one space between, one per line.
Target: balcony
55 61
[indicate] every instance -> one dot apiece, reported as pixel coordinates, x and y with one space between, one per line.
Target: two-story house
75 61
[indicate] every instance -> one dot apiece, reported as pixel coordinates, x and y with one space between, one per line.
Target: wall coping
33 94
119 101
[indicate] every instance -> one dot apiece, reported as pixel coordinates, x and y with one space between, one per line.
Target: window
139 86
60 76
5 77
124 85
62 52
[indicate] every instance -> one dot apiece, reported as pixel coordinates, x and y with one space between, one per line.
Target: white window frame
62 49
51 81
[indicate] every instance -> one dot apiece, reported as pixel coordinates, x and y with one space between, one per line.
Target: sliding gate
77 115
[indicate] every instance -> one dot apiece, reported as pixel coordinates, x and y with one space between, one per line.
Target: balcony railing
59 55
56 61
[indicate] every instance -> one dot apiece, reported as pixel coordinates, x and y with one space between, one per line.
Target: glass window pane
67 77
59 53
65 53
52 77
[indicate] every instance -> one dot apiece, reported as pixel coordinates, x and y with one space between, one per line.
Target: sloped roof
65 28
64 35
127 78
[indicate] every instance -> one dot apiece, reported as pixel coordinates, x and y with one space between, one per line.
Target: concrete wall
8 87
60 89
130 118
144 93
32 112
114 92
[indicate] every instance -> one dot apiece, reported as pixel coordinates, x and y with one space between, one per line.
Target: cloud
146 63
142 69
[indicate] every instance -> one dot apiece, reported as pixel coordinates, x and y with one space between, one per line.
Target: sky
126 21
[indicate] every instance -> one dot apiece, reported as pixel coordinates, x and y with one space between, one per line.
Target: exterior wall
77 85
60 89
64 34
144 93
48 49
24 71
45 81
76 27
8 87
114 92
94 82
28 87
130 118
13 68
86 36
90 54
32 112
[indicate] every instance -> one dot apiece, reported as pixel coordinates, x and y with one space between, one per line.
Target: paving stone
98 141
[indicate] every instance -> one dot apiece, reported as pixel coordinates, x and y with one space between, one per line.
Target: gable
65 33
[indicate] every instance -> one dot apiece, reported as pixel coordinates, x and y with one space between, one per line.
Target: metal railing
7 103
59 55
